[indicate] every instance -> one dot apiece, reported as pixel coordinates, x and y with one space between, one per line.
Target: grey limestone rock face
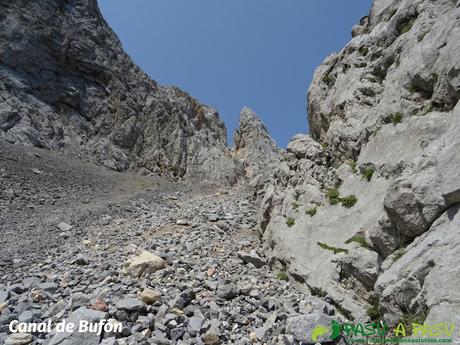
404 61
66 84
426 275
254 147
379 169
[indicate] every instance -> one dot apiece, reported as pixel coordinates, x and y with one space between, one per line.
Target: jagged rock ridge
363 210
66 83
254 147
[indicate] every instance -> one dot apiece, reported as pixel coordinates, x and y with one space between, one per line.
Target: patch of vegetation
295 205
408 319
373 311
318 292
333 195
375 131
325 146
392 13
368 173
396 117
290 222
349 201
328 79
406 26
335 250
435 106
414 89
363 51
399 254
352 165
360 239
311 211
422 36
282 275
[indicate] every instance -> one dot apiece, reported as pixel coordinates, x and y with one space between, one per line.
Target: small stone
255 294
63 226
36 171
105 220
109 341
48 287
146 333
212 217
194 325
99 305
210 272
210 338
130 304
64 235
177 312
182 222
226 291
37 295
210 285
177 333
261 334
3 296
115 324
17 288
149 296
245 244
79 299
252 258
26 317
81 260
19 339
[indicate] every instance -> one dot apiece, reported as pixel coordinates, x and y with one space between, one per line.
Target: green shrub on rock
349 201
290 222
311 211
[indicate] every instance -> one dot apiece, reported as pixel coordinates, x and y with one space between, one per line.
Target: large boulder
145 262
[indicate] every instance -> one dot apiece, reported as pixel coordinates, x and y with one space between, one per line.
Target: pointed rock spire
253 145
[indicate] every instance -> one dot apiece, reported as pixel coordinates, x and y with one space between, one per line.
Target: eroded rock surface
358 221
254 147
380 168
66 84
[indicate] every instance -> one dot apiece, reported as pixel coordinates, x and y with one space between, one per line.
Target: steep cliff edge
363 210
66 83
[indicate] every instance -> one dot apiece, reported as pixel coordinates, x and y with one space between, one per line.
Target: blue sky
235 53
